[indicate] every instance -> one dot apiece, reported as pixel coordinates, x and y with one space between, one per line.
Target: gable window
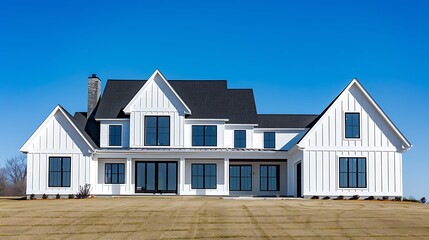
204 135
240 178
270 177
59 171
269 140
203 176
240 138
352 172
114 173
157 131
115 135
352 128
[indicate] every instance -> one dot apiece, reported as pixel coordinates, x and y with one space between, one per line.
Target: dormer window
115 135
352 125
157 131
240 138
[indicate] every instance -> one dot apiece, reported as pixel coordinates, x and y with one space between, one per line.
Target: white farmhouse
201 138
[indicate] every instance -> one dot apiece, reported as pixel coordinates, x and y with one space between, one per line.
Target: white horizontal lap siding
220 125
104 132
378 143
58 138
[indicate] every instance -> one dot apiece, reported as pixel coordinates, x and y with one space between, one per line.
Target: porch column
181 187
226 175
130 174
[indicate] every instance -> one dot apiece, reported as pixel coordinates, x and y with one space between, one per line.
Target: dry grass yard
209 217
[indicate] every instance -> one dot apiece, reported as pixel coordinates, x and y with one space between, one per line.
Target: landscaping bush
57 196
384 198
44 196
71 196
315 197
326 198
397 199
84 192
410 199
370 198
32 197
339 198
354 197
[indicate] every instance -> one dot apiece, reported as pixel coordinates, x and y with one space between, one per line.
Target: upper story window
269 140
240 138
115 173
352 172
59 171
157 131
204 135
115 135
352 128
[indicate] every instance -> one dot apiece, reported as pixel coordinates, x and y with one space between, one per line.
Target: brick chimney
94 91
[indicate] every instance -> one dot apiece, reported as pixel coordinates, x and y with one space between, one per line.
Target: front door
298 180
156 177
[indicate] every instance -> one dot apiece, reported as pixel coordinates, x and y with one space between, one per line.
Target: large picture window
270 178
203 176
115 173
157 131
115 135
352 172
240 138
59 171
240 178
352 125
204 135
269 140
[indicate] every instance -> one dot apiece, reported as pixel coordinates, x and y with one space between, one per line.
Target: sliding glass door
156 177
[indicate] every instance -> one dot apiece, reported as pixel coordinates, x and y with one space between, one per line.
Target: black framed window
269 140
157 131
114 173
240 178
115 135
352 172
270 177
240 138
203 176
204 135
352 125
59 171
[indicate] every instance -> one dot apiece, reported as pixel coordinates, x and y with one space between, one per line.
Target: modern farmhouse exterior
192 137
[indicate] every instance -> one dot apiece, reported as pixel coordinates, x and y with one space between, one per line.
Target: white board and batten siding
326 143
57 138
282 137
156 99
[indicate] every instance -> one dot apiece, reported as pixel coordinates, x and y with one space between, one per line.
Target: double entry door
156 177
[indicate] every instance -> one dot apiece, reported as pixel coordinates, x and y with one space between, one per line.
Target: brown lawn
211 217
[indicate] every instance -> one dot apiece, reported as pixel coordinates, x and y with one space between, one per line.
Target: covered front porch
216 172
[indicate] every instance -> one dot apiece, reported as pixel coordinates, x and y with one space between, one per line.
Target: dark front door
298 180
156 177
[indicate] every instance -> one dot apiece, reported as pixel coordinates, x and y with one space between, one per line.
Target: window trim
204 135
105 177
366 173
121 137
245 137
274 140
157 137
204 175
345 128
277 179
62 172
251 177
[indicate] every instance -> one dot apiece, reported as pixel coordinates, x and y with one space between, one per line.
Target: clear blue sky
297 56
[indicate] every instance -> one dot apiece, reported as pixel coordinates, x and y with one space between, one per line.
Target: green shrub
44 196
57 196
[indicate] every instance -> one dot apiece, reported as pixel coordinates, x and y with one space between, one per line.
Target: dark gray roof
205 98
286 120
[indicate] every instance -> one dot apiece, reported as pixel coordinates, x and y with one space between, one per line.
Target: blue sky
297 56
